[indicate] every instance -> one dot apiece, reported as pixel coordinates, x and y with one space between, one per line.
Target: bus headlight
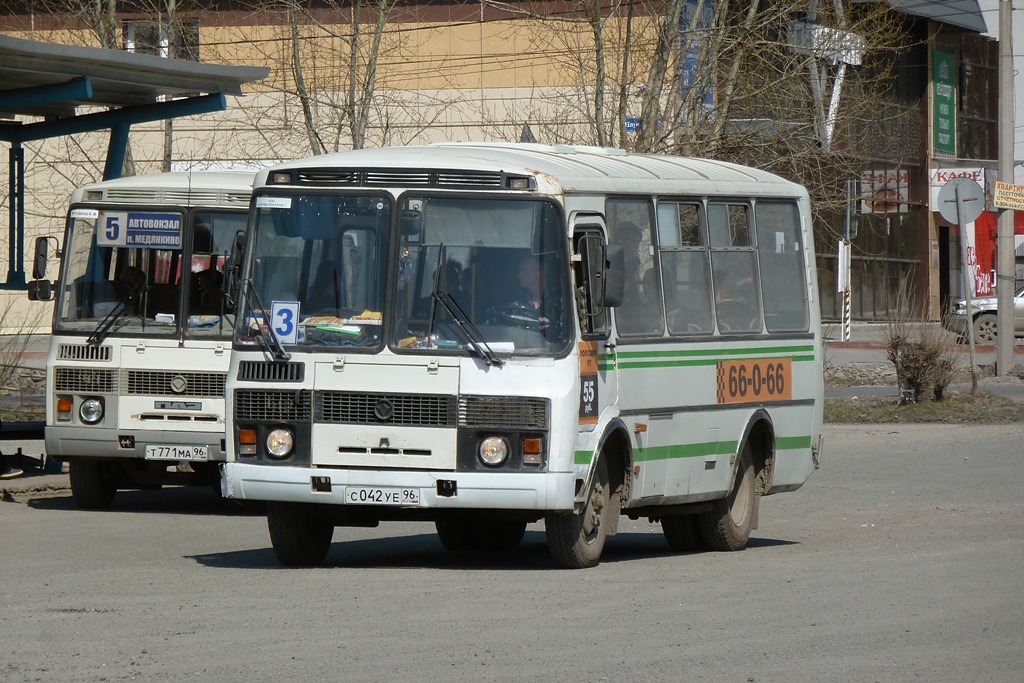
91 410
280 443
493 451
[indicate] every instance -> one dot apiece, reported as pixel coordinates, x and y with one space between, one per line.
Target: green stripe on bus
789 443
734 351
582 457
633 365
635 360
699 450
689 450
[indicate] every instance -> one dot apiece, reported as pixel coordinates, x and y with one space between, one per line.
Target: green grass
955 408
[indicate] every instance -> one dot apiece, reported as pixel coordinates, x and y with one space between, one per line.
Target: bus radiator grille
364 408
513 412
159 382
84 380
278 406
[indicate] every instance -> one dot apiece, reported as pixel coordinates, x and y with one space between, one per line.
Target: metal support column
16 183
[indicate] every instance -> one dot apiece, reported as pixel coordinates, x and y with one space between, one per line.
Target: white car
984 318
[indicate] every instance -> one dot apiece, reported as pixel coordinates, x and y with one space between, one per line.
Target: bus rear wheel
682 533
300 534
92 484
727 525
576 541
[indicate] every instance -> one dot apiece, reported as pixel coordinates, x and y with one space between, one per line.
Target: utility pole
1006 267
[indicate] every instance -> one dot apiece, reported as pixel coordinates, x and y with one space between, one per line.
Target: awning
963 13
47 83
31 74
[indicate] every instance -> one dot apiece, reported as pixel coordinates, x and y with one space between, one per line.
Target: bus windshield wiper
469 331
462 322
105 326
269 338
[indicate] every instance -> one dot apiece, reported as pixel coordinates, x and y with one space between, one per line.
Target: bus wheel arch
760 435
576 539
727 524
616 450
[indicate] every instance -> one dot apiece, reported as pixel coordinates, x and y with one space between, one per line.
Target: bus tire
682 533
500 534
727 525
576 541
92 487
456 535
300 535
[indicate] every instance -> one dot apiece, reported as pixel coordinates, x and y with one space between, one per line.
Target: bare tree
764 83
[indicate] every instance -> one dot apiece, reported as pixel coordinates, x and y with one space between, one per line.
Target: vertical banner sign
944 99
696 15
588 383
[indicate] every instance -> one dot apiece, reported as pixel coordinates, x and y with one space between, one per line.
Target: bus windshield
317 272
467 270
128 271
493 266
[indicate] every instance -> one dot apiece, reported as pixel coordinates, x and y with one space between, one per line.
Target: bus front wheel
301 535
92 486
576 541
727 525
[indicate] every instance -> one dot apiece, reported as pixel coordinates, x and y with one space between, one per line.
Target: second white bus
141 331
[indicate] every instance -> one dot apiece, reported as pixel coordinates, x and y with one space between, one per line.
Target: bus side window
733 268
684 267
780 256
629 223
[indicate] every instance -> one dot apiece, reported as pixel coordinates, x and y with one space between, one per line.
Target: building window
150 37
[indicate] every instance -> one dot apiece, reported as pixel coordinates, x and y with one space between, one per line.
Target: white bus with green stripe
483 336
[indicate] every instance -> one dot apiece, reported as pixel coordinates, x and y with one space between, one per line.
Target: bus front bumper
411 489
76 441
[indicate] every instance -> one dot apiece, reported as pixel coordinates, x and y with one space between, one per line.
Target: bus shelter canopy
47 83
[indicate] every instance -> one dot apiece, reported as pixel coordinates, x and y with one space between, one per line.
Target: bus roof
198 188
573 168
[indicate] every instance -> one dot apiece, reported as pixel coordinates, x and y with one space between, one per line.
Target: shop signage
944 101
1008 196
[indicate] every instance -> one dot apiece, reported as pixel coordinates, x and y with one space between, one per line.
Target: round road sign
972 200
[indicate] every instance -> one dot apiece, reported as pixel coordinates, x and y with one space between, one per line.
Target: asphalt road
899 560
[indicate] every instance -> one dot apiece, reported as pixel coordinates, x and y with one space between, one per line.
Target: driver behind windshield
529 304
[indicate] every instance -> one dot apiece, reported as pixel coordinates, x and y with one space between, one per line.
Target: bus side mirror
233 266
40 290
611 293
39 258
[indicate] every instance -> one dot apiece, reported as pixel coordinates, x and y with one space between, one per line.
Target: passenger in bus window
325 290
734 303
129 285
